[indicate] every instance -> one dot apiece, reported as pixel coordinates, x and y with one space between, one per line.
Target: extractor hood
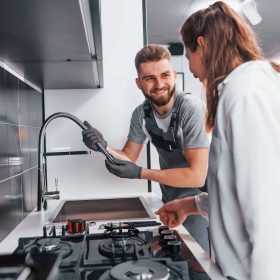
56 44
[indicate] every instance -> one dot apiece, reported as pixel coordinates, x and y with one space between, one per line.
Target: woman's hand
175 212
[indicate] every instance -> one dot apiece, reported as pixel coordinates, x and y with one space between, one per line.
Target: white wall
108 109
192 84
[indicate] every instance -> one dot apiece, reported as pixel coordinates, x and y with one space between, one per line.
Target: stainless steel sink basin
107 209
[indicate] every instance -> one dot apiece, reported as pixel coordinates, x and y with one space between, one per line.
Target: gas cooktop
120 252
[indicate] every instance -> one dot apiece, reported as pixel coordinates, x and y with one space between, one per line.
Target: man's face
156 79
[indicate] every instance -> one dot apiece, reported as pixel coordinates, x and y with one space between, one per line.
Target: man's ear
138 83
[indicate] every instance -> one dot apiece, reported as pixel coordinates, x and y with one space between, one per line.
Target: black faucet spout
42 192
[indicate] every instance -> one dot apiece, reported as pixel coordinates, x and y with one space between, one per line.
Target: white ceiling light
248 8
202 4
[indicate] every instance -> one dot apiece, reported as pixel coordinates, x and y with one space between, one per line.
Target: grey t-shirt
191 134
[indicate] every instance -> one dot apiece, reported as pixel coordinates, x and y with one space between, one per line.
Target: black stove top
119 253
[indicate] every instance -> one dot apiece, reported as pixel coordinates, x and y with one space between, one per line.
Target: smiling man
174 122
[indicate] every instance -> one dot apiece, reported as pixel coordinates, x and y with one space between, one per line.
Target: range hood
56 44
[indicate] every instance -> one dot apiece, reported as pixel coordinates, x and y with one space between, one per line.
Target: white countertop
33 223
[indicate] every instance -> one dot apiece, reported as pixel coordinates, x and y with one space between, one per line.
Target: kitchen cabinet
55 44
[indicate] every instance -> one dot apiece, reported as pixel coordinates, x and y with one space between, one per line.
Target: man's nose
159 83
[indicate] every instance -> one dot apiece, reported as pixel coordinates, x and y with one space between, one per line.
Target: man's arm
192 176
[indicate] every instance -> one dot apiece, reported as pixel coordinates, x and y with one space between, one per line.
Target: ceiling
164 18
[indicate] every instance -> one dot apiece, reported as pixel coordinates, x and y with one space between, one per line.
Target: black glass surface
10 205
81 256
4 160
10 84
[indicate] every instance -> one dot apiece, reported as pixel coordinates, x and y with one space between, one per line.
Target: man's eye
148 79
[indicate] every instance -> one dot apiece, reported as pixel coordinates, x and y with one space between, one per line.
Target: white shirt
244 174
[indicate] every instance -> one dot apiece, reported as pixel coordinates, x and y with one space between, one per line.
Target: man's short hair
150 53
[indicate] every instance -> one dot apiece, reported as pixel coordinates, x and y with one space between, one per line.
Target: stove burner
117 248
137 270
50 245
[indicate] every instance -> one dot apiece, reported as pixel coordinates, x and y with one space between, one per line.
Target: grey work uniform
190 134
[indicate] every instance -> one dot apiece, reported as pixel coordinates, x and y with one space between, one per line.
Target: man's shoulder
138 111
189 102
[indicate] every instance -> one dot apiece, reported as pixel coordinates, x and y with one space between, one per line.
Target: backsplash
20 122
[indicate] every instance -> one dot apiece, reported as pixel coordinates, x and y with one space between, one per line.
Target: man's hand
124 169
91 136
175 212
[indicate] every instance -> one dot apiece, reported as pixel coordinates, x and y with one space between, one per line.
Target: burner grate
118 248
149 269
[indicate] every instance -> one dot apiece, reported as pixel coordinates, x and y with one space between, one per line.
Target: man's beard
163 100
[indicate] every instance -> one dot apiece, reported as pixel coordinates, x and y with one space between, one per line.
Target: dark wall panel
20 122
4 161
11 93
10 205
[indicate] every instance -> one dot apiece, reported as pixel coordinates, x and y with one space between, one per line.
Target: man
174 122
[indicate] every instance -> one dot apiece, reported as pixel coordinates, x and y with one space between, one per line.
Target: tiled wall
20 121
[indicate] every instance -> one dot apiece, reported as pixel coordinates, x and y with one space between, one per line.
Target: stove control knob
166 232
167 238
44 231
161 228
174 247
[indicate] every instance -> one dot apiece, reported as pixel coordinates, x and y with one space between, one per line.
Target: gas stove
119 252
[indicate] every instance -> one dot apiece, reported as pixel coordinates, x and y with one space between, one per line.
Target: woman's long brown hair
229 42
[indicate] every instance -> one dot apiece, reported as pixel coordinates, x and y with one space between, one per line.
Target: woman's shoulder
247 80
247 77
249 73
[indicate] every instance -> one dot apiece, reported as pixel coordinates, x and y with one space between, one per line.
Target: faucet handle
51 194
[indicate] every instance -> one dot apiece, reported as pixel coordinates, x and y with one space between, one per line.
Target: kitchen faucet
43 193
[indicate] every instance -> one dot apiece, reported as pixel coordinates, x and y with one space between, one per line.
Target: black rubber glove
91 136
124 169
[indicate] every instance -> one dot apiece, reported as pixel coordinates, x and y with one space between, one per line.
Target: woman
243 102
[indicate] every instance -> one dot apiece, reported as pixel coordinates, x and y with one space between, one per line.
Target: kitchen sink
107 209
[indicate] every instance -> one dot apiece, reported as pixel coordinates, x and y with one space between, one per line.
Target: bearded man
175 123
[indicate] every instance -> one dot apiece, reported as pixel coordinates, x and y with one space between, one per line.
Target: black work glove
124 169
91 136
